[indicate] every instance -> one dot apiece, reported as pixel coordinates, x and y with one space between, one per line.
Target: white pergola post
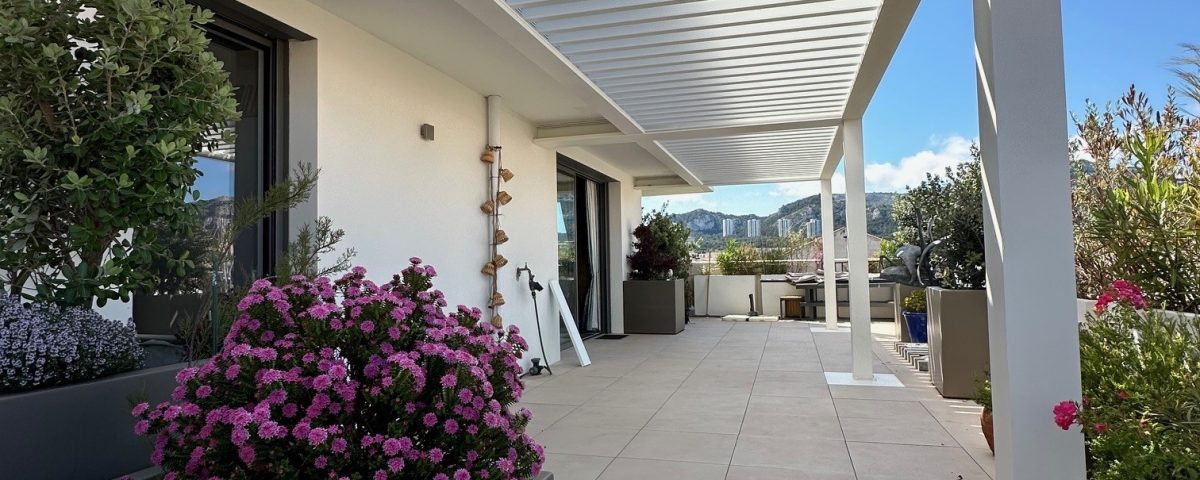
856 251
828 253
1030 254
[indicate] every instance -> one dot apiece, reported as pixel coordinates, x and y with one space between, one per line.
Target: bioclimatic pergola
728 92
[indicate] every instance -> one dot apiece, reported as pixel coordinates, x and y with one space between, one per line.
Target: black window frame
569 166
235 22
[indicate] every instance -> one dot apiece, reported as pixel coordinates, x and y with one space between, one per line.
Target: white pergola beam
856 252
1034 338
828 253
587 139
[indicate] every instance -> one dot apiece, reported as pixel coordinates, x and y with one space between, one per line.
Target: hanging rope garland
497 198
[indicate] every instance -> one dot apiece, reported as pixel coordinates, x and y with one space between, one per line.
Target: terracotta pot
985 421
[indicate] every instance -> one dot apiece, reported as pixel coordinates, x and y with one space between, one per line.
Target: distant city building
727 227
752 228
784 227
812 228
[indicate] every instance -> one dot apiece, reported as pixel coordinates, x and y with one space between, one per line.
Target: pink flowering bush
349 379
1140 412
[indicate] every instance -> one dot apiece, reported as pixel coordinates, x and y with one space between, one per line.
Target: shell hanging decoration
497 175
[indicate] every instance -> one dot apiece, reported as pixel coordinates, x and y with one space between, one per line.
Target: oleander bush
1140 411
349 379
43 345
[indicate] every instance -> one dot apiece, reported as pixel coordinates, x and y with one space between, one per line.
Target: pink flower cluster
349 379
1121 292
1066 413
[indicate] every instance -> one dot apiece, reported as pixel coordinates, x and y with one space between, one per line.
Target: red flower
1100 428
1066 413
1122 395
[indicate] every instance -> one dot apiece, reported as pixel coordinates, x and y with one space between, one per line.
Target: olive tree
103 107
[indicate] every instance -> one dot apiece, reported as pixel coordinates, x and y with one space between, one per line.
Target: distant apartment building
783 227
727 227
812 228
752 228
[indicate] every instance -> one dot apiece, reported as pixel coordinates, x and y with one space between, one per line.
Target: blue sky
923 115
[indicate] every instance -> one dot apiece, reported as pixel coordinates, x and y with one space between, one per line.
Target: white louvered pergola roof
721 91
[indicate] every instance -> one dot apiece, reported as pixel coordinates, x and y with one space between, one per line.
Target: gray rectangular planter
958 340
83 430
654 306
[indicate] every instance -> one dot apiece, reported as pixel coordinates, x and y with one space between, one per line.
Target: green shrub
101 115
660 248
738 259
915 302
1140 412
774 261
1137 202
947 209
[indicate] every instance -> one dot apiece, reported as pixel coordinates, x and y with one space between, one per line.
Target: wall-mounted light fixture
427 131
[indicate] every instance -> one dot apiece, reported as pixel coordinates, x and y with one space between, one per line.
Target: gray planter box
83 430
958 340
899 292
654 306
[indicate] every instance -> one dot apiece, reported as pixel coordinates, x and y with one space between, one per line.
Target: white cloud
911 170
798 190
682 202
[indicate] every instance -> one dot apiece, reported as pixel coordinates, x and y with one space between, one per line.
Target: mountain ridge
706 224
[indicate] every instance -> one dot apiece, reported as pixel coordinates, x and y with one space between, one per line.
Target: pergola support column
828 254
856 251
1029 245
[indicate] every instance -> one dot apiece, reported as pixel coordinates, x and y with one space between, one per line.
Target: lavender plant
43 345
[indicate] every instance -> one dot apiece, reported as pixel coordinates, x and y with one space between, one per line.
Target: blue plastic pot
918 326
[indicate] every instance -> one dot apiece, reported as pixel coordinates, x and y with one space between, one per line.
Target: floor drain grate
612 337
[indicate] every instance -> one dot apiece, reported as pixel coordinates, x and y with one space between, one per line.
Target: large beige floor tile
681 446
559 395
791 426
883 409
599 441
575 467
910 431
738 472
798 406
881 461
703 421
791 384
544 415
611 417
816 457
646 397
640 469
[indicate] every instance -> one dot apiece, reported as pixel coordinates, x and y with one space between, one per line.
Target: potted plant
916 316
654 292
957 306
983 396
350 379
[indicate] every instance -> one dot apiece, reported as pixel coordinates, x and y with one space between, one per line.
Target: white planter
720 295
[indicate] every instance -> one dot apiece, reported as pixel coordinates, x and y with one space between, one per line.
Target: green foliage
774 261
887 253
948 209
1141 385
738 259
661 248
983 393
312 241
101 114
915 302
1137 201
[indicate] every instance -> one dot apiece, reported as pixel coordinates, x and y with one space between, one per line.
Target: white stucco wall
356 106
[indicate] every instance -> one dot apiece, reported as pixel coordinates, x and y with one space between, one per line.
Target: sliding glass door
582 250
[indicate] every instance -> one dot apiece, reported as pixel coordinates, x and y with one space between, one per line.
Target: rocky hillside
706 224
